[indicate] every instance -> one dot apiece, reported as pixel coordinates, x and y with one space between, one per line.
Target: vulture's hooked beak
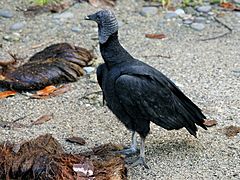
91 17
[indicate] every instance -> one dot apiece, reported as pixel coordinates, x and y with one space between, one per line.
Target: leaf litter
44 158
76 139
210 123
231 131
42 119
155 36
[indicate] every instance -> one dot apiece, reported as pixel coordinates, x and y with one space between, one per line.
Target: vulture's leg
141 158
133 148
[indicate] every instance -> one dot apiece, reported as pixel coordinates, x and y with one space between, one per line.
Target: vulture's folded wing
145 98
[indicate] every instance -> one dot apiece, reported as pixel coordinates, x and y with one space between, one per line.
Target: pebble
236 1
180 12
5 58
89 69
12 37
211 13
236 73
208 21
120 23
75 29
197 26
190 10
170 15
63 16
187 21
17 26
6 13
204 9
200 20
187 16
93 78
148 11
237 14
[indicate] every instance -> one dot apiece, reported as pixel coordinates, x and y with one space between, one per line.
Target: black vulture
138 93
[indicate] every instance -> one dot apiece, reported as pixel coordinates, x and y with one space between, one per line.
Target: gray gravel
204 70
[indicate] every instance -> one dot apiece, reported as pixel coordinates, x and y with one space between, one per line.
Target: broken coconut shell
58 63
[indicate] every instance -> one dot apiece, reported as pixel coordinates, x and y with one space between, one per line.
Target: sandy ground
205 70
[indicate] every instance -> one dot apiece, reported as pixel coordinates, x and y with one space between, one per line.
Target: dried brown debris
54 7
7 94
102 3
77 140
44 158
42 119
56 64
231 131
155 36
210 123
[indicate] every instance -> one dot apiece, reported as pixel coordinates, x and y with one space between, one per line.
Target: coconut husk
56 64
44 158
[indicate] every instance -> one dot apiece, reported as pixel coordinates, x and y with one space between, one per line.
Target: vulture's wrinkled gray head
107 24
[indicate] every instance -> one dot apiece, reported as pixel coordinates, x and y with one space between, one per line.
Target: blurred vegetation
45 2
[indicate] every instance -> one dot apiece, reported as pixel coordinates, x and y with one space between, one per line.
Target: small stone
197 26
190 10
93 78
17 26
162 23
5 58
148 11
236 1
6 13
76 29
179 12
170 15
236 72
120 23
237 14
12 37
88 70
211 13
200 20
64 15
187 21
187 16
204 9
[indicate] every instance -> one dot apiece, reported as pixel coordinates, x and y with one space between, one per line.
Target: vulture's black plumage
136 92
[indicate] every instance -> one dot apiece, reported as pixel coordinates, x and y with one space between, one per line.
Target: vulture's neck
113 53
